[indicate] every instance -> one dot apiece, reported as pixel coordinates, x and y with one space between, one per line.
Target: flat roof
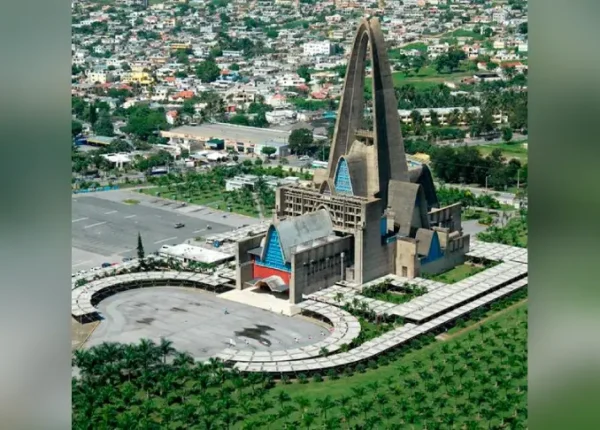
195 253
238 133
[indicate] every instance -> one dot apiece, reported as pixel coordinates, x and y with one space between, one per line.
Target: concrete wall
406 258
372 259
448 217
243 269
454 255
325 270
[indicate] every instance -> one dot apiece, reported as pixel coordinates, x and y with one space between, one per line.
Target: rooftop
195 253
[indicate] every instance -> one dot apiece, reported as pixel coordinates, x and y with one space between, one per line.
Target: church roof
302 229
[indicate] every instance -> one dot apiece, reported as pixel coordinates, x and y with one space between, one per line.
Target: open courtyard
196 322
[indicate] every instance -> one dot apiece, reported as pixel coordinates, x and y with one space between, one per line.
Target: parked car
104 265
179 225
126 259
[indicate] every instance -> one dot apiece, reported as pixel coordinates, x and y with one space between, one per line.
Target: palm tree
365 407
166 348
308 419
349 413
303 403
325 404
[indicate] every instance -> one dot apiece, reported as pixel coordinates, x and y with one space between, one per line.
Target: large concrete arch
391 159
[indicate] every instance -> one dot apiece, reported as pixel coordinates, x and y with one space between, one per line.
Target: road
105 229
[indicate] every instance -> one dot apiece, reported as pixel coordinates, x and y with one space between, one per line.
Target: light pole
486 183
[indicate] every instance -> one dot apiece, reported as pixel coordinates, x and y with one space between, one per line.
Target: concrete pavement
105 229
195 321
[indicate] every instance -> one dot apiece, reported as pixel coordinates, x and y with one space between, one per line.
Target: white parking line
78 219
199 231
130 216
165 240
110 212
80 263
95 225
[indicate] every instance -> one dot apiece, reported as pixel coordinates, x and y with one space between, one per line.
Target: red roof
511 64
184 94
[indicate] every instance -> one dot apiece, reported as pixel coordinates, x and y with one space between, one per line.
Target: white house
317 48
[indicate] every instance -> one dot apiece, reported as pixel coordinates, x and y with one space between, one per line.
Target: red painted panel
264 272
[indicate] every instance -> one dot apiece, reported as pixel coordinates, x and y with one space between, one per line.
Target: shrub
302 378
360 368
317 377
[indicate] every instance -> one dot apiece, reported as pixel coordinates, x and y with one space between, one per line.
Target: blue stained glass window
342 182
273 253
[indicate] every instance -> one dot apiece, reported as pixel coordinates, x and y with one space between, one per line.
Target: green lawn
509 150
131 201
457 274
213 198
466 33
427 77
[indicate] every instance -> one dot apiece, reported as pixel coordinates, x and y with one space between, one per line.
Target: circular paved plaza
196 322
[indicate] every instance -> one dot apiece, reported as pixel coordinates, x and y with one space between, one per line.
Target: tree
418 63
235 67
523 28
145 122
304 73
507 134
272 34
240 119
76 127
449 62
104 126
140 250
268 150
208 71
300 140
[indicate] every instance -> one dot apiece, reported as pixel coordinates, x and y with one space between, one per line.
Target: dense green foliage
144 122
466 165
514 233
389 292
208 71
450 195
300 140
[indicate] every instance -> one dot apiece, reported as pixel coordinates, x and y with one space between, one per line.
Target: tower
384 145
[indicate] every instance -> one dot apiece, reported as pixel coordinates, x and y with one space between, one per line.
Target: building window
404 271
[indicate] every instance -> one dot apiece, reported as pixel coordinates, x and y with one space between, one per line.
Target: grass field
509 150
427 77
214 199
457 274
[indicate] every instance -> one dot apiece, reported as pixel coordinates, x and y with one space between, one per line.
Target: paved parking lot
104 229
195 321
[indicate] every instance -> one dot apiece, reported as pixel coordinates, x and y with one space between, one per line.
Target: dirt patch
80 333
146 321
